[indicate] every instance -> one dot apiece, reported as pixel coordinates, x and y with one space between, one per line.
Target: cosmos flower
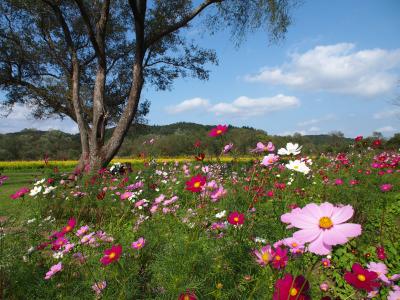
70 225
219 130
361 278
280 259
98 287
269 159
289 288
139 244
187 296
236 218
227 148
386 187
264 255
260 147
112 254
323 226
196 183
53 270
298 166
380 269
20 193
291 149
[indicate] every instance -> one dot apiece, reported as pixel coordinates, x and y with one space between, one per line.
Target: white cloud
20 119
385 114
317 120
189 105
386 129
337 68
249 107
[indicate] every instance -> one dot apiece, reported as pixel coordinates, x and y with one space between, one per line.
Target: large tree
89 59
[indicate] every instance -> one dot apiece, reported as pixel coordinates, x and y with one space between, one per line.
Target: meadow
275 224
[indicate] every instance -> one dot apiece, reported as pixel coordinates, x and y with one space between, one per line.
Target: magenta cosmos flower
386 187
20 193
323 226
139 244
236 218
70 225
289 288
196 183
217 131
361 278
111 255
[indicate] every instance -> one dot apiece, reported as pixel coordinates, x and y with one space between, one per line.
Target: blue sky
337 69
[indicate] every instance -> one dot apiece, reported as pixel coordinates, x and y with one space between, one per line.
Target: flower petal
318 247
342 214
307 235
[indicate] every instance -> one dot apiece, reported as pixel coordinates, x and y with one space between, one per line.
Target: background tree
89 59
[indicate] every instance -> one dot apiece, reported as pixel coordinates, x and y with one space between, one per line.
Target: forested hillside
176 139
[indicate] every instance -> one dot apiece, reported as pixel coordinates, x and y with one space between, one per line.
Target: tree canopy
89 59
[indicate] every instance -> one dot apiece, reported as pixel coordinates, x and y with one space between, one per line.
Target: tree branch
158 36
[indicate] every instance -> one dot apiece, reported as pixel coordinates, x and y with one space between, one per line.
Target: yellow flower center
325 223
236 219
295 167
196 184
139 245
293 292
294 245
277 257
219 131
265 256
186 297
68 228
111 255
361 277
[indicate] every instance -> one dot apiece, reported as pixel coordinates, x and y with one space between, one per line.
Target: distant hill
169 140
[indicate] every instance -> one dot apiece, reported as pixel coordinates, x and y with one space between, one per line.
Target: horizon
328 74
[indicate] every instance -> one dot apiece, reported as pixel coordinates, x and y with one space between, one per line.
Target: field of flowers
279 226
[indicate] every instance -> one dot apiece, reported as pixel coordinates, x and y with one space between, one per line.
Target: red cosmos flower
197 143
20 193
380 252
70 225
219 130
187 296
358 138
236 218
200 157
279 260
288 288
101 195
111 255
196 183
377 143
50 181
362 279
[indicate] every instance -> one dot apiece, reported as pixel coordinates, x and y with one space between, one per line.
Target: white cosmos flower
221 214
36 190
298 166
39 181
48 190
290 149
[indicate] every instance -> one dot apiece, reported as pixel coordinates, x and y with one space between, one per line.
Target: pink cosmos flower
20 193
264 255
380 269
217 131
326 262
386 187
53 270
126 195
295 246
111 255
260 147
81 231
323 226
270 159
98 287
139 244
227 148
338 181
394 295
286 218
